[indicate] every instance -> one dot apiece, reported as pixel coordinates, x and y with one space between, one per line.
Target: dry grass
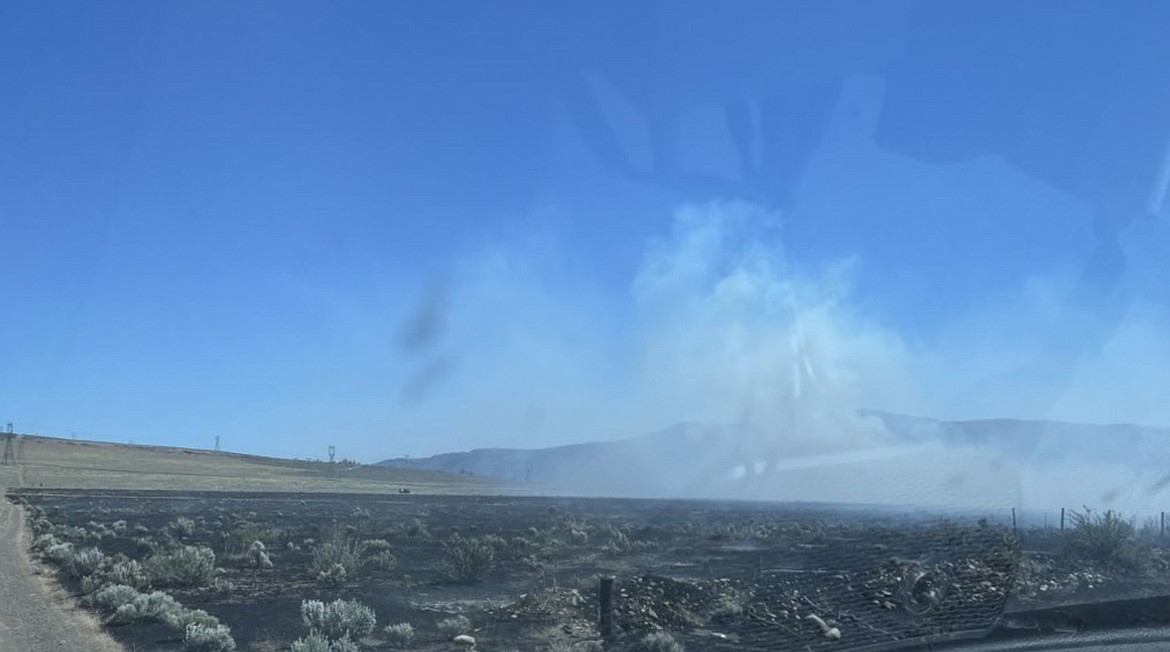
73 464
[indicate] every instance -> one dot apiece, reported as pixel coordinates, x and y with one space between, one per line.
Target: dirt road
35 616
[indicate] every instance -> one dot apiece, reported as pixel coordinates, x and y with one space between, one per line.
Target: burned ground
525 571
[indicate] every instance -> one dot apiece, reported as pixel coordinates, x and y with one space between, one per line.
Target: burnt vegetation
426 573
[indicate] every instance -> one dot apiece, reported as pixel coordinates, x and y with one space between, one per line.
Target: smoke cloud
718 326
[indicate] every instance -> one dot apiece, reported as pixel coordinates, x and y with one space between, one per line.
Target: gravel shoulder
35 615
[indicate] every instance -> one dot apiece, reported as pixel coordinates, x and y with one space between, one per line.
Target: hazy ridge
920 456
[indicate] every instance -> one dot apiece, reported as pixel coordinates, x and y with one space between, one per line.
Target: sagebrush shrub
183 618
116 570
618 544
74 562
259 555
1106 538
91 583
146 544
128 572
661 642
154 607
381 561
317 642
114 596
374 546
334 574
578 646
59 553
40 524
336 559
85 562
454 626
338 619
313 642
399 634
467 560
416 529
43 542
726 607
208 638
239 538
75 534
125 604
181 527
99 531
189 566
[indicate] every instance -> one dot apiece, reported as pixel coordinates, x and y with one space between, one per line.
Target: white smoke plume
718 326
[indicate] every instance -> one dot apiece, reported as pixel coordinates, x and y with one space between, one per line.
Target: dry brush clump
416 529
124 604
238 539
377 554
336 558
467 559
1106 538
181 527
338 619
618 543
454 626
575 646
314 641
116 570
258 555
398 635
185 566
198 637
342 557
73 562
111 584
202 632
660 642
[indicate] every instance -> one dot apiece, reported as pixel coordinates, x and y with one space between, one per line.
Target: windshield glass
791 274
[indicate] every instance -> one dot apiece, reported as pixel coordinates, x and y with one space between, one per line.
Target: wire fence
1145 523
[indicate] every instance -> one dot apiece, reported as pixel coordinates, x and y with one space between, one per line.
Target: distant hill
612 467
50 462
697 460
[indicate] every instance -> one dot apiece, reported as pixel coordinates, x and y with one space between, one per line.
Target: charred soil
525 571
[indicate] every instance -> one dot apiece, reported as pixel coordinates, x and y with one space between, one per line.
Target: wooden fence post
605 602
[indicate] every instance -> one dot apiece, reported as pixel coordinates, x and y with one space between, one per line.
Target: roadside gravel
35 614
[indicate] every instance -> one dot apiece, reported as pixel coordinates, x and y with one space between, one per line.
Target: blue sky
222 218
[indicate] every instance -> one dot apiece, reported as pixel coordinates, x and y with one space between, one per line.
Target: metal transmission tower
332 452
217 443
9 456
